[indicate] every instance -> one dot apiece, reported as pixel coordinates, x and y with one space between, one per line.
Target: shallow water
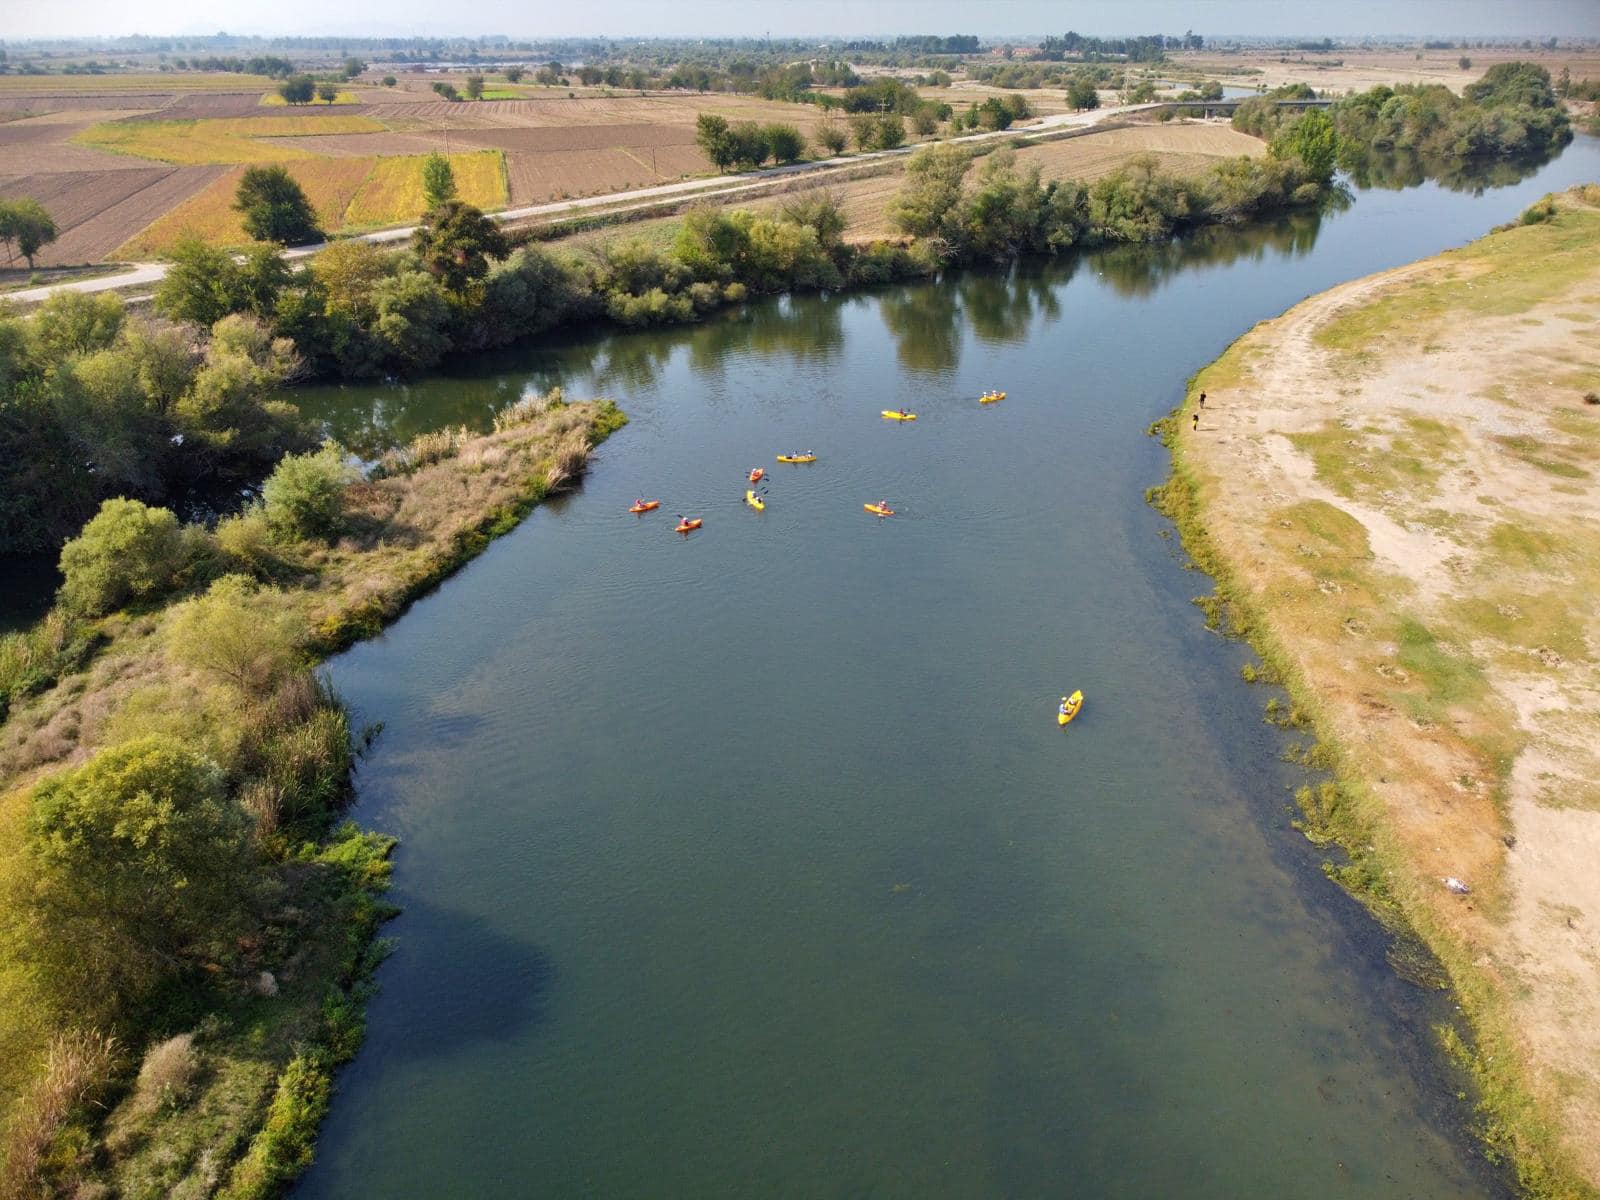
754 863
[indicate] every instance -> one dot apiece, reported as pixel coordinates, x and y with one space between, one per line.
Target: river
754 863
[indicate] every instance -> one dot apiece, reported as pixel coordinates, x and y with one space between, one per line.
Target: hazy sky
621 18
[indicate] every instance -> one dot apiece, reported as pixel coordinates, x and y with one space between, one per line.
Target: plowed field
96 210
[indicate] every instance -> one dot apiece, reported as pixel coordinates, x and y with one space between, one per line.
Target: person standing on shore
1197 420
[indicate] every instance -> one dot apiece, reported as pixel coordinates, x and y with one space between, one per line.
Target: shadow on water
498 986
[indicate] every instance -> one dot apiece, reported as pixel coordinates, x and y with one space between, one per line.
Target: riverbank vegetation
186 931
1409 132
1410 571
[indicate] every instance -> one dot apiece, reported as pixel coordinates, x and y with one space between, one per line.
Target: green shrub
304 495
127 551
137 869
240 636
245 540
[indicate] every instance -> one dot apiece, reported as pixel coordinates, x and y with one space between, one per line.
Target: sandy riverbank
1394 481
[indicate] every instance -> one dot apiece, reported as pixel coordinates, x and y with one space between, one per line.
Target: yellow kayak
898 414
1069 708
753 500
797 458
879 510
991 397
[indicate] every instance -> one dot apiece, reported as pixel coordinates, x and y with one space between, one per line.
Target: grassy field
394 186
1393 484
348 194
226 141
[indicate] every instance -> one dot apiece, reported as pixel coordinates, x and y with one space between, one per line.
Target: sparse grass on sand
227 140
1390 483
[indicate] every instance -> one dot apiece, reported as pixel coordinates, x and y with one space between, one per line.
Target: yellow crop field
348 193
393 192
274 100
168 81
219 140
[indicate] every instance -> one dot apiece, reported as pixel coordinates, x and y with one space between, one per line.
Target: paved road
721 185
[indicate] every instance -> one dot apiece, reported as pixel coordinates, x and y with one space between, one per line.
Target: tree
25 222
891 131
455 243
474 87
785 142
353 67
203 284
140 867
513 74
304 495
298 89
830 135
1081 94
714 137
1464 63
925 120
750 143
864 128
438 180
389 81
1313 140
447 90
275 207
127 551
932 191
327 92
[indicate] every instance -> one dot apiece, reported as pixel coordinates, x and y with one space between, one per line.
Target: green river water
755 864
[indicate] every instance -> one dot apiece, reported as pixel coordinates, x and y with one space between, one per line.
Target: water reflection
1394 170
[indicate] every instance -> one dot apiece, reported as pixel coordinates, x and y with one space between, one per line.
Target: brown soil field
39 143
99 211
559 175
1361 70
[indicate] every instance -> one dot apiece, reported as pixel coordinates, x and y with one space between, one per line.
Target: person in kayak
1066 706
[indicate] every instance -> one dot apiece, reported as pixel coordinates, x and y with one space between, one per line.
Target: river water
755 864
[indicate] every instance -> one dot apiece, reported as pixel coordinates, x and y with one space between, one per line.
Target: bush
127 551
831 136
139 870
245 540
240 636
304 495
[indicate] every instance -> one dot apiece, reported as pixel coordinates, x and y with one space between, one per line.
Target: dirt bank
1395 481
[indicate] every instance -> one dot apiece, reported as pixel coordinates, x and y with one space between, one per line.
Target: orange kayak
645 506
879 510
757 474
686 526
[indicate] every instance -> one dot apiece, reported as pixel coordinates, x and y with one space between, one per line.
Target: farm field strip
347 193
393 189
228 140
166 81
274 100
